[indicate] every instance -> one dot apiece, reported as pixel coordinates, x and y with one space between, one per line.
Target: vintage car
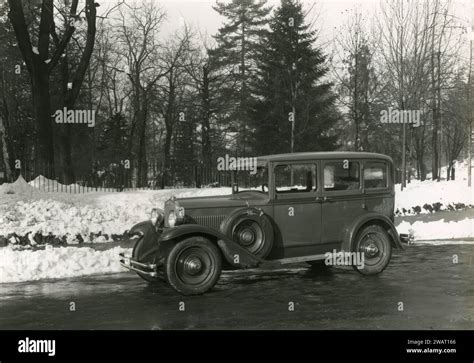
297 208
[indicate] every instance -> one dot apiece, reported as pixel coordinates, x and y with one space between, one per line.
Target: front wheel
193 266
373 243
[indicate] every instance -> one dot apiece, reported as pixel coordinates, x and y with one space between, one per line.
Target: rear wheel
193 266
374 244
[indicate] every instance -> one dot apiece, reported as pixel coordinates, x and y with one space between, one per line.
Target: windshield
253 182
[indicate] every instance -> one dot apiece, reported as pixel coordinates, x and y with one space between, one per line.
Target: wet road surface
422 288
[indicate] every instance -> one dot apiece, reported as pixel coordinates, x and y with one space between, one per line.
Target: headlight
174 214
171 219
156 217
180 212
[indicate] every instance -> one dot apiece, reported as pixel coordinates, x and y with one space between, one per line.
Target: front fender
146 231
236 255
351 232
143 228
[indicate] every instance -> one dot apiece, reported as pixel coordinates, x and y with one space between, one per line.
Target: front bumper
405 238
149 269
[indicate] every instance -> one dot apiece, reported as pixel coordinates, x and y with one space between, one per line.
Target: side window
375 175
341 175
296 178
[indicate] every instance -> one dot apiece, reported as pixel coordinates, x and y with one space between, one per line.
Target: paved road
436 294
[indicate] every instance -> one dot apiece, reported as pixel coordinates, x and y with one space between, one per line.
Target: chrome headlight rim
172 219
156 217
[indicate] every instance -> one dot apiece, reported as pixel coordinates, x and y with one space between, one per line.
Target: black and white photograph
237 165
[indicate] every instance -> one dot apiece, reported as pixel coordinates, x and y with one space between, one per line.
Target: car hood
220 201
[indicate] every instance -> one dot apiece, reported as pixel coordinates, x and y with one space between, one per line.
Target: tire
193 266
137 254
375 243
254 232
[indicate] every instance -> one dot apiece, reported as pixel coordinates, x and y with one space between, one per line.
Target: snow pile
64 262
422 197
50 185
20 186
86 215
445 192
439 229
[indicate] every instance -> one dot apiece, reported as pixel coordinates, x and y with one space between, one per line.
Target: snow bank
43 183
439 229
448 193
49 185
87 215
20 186
64 262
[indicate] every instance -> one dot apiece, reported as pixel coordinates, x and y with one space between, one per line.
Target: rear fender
367 219
234 254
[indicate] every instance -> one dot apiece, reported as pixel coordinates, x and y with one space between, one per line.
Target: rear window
375 175
341 175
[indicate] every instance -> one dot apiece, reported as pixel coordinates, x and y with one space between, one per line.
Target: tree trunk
167 155
142 159
6 158
206 125
169 128
42 113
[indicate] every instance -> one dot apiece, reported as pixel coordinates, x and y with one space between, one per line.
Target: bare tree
138 34
41 60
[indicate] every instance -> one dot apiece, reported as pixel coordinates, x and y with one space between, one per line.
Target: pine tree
290 88
235 55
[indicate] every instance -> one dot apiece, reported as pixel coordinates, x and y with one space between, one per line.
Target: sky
329 15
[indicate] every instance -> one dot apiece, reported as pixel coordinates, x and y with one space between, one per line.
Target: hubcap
193 265
371 250
247 237
249 234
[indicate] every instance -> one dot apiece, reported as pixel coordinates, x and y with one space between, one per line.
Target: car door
296 211
342 199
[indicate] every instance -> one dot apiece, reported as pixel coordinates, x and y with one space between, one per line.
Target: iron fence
117 178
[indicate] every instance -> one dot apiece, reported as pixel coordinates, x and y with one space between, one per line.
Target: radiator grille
213 221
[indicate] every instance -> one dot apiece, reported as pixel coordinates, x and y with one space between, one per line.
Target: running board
288 260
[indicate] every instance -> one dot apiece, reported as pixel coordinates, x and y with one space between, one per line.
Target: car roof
325 155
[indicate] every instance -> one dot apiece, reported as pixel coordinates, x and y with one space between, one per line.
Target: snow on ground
439 229
19 187
64 262
25 209
418 193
